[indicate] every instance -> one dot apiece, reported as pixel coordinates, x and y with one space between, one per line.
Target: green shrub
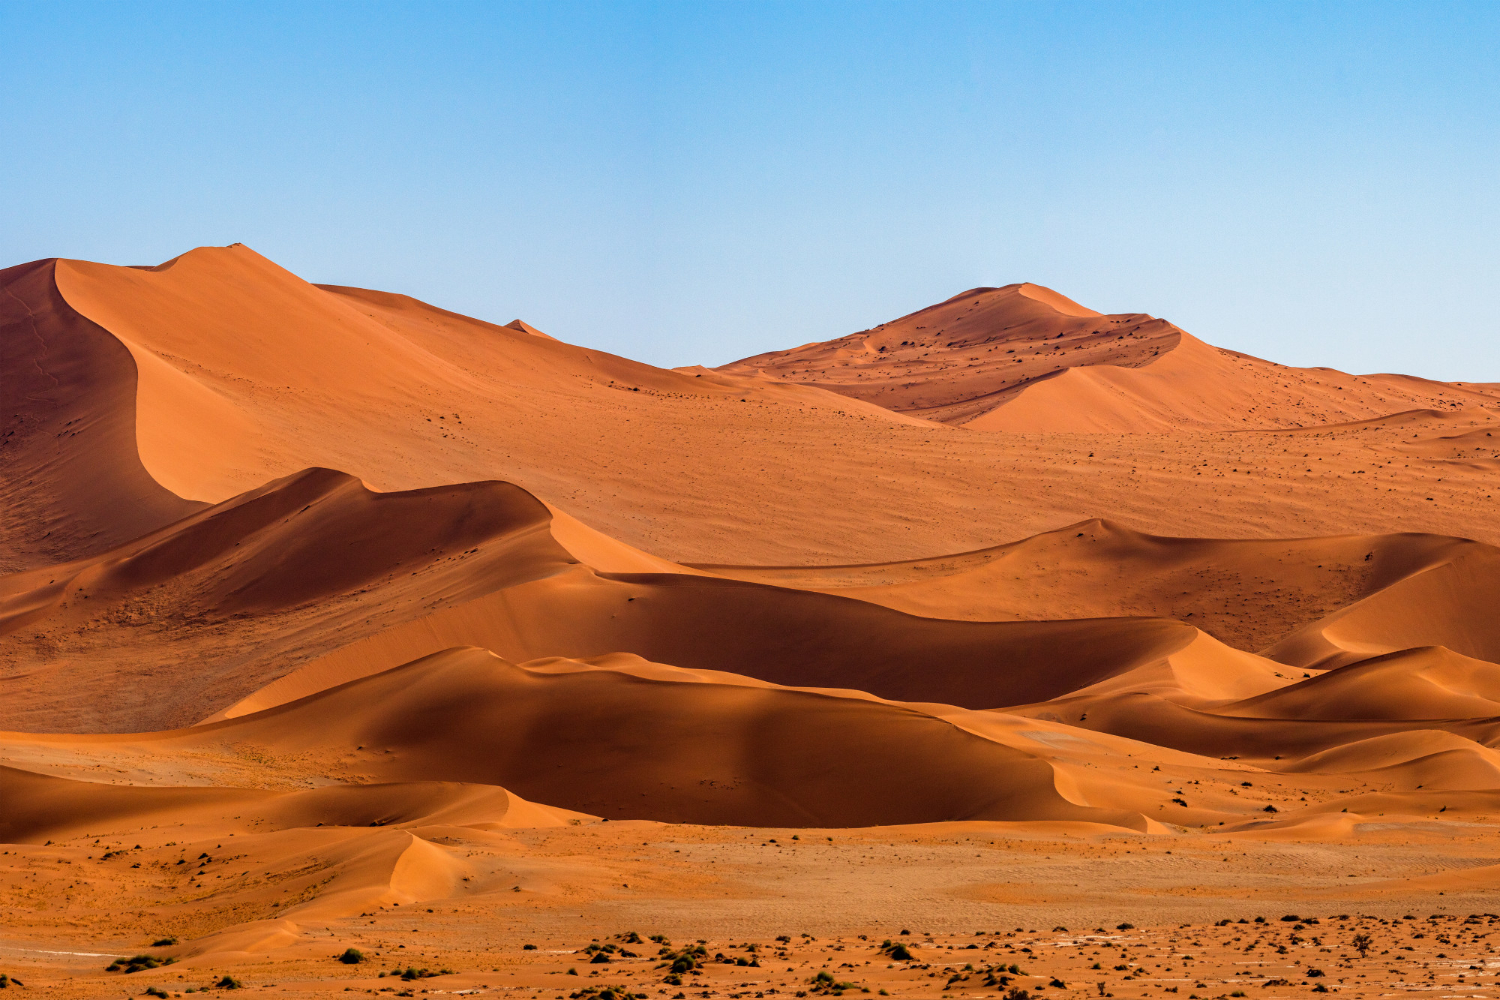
138 963
352 956
897 951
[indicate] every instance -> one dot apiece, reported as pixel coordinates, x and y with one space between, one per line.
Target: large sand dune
401 601
1025 358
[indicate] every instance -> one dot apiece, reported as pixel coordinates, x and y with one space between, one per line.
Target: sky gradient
1318 184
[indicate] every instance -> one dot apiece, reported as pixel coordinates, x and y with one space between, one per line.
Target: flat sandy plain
1003 648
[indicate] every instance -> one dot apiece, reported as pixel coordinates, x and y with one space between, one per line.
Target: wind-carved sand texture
1003 648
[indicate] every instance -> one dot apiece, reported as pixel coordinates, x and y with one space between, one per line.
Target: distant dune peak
965 356
1026 358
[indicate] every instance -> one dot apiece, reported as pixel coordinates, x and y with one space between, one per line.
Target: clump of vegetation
601 952
411 973
154 991
138 963
996 976
229 983
352 956
1362 944
528 947
606 993
824 982
165 942
685 961
1125 927
896 950
753 962
6 982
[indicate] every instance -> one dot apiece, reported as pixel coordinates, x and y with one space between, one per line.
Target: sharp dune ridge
425 610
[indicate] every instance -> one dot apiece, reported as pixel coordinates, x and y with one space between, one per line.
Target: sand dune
701 753
1024 358
187 619
72 474
44 807
1250 593
1448 604
248 374
1425 683
965 356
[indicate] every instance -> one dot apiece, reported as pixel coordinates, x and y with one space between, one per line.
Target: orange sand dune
72 475
195 615
1249 593
247 374
701 753
1024 358
300 354
963 357
1447 604
42 807
314 581
1425 683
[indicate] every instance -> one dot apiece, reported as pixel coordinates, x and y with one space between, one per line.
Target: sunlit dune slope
1025 358
257 356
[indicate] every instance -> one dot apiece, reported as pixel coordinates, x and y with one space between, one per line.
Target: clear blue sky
684 183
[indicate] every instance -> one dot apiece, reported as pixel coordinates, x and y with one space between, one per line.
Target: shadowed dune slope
1024 358
71 481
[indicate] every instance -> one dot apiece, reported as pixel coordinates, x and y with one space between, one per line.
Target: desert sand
1004 648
